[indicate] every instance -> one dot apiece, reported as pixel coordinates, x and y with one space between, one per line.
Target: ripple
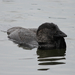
53 59
51 63
57 17
26 58
70 38
43 69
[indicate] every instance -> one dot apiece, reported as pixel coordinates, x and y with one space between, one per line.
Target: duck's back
22 36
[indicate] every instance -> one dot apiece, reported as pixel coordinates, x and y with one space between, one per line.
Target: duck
46 36
49 36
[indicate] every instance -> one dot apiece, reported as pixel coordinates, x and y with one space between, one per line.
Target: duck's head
49 33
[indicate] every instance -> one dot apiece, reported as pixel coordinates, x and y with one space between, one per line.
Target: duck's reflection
51 53
48 57
51 57
26 47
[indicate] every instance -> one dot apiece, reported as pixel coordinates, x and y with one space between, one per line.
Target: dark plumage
48 35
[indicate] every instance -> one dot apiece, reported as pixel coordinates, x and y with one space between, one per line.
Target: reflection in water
26 47
50 57
43 69
51 53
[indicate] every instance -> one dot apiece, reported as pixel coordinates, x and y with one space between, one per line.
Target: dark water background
15 60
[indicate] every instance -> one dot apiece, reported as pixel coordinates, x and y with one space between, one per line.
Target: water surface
15 60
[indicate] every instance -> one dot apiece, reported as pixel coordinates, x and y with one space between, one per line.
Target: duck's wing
24 37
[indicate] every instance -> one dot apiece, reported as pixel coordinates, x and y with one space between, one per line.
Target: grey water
16 60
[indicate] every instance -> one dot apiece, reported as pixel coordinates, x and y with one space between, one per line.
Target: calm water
15 60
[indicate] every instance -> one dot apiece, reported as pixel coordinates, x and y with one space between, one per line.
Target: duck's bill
60 34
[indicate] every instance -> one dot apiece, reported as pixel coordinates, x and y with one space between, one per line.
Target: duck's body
48 35
23 36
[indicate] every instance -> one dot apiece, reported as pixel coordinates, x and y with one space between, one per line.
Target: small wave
57 17
70 38
4 28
